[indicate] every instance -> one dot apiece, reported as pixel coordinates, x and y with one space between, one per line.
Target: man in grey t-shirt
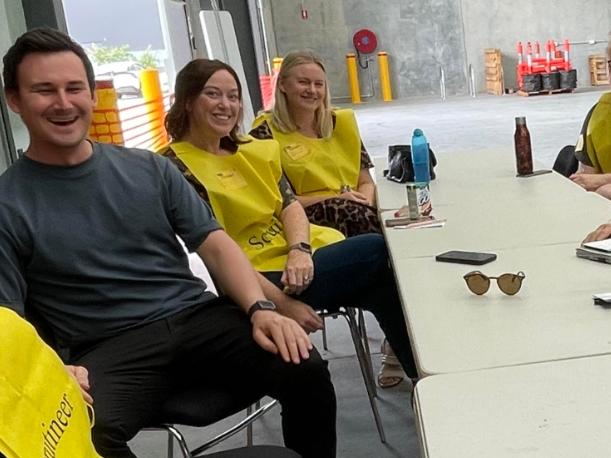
88 246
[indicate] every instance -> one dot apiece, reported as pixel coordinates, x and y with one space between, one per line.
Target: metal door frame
6 135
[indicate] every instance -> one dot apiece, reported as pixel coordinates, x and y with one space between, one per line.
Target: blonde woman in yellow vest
324 160
241 178
322 154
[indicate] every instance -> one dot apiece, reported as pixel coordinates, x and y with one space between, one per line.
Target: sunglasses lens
477 283
509 283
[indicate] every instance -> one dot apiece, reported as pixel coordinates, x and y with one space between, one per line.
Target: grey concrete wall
422 35
419 36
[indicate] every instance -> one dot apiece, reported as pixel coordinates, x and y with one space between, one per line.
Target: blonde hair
281 114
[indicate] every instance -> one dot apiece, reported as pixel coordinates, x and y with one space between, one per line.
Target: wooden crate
494 71
599 70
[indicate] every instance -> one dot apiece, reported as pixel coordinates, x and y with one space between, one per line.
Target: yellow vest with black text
42 411
320 166
244 195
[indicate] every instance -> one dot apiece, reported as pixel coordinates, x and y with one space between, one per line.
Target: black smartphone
466 257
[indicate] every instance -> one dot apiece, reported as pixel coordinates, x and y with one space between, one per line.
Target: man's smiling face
53 99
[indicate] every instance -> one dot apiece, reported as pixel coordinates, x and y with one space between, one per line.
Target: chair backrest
566 163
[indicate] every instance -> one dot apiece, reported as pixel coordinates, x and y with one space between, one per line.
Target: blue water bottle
420 157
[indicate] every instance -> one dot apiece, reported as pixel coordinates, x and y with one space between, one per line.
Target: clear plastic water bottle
420 157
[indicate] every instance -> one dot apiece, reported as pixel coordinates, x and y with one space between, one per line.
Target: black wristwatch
301 246
261 305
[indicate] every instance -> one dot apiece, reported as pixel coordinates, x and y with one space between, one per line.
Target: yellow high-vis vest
244 195
598 136
320 166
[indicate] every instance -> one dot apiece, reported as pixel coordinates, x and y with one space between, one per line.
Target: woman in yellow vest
324 159
241 178
593 149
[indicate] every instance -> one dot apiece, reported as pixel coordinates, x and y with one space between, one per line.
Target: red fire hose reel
365 41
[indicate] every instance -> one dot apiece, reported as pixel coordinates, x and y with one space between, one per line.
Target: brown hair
190 81
42 40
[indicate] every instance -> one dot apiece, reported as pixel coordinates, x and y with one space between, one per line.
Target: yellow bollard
384 76
153 98
276 63
353 78
105 123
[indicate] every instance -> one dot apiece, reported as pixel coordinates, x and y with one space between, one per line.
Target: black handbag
400 166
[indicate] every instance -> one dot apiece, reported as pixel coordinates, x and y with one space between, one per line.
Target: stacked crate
599 70
494 71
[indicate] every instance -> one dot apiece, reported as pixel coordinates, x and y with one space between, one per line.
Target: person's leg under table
217 348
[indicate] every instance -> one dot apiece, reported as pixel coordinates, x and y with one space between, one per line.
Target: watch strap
301 246
260 305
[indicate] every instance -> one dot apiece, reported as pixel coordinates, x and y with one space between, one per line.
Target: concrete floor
485 122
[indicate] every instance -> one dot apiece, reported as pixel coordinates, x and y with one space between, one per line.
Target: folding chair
204 406
356 323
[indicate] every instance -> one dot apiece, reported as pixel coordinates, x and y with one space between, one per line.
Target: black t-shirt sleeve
13 287
191 217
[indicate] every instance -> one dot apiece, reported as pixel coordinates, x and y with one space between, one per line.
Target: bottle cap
418 133
520 120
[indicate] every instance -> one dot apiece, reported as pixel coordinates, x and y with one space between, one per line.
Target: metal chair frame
174 433
356 323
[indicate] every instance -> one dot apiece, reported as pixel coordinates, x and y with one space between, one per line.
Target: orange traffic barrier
153 99
106 124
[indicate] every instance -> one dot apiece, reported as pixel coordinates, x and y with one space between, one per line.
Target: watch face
261 305
266 305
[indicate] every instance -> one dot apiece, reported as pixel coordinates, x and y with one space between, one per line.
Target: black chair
566 163
204 406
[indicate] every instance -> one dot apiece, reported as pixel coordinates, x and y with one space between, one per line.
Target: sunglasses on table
479 283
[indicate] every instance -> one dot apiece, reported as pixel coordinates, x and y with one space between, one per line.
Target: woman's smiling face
305 87
216 109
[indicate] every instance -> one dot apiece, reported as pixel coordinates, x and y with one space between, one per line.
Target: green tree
148 59
105 54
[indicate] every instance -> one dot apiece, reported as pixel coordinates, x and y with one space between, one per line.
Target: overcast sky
114 22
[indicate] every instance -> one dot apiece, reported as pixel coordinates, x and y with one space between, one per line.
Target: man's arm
236 277
299 269
588 178
602 232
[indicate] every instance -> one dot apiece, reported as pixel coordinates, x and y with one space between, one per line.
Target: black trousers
131 375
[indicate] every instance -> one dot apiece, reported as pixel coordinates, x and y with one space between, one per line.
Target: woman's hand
298 273
355 196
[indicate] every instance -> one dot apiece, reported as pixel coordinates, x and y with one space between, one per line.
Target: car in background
125 76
